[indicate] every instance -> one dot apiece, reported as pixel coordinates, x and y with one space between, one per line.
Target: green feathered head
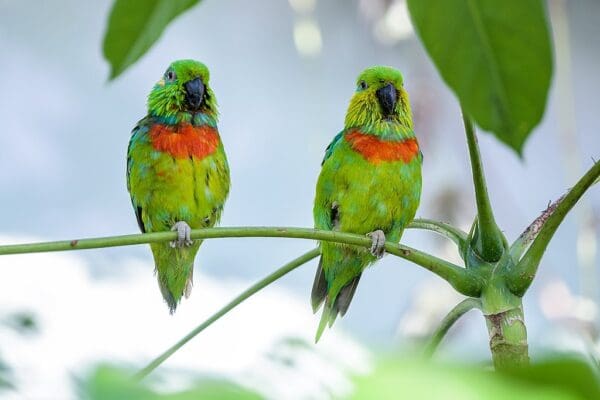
183 93
380 103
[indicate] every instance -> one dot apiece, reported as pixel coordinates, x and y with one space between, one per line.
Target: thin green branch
136 239
488 240
449 320
303 259
521 276
524 240
461 279
456 235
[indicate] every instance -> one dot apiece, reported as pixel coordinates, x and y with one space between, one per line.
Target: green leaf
134 26
495 55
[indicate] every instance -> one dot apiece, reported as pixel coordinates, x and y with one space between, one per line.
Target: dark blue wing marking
330 148
140 129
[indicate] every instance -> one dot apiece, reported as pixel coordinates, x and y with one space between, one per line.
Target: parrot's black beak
194 93
388 97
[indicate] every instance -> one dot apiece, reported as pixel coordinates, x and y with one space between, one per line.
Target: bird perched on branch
370 183
177 171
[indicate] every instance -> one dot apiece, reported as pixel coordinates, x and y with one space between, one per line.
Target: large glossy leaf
495 55
134 26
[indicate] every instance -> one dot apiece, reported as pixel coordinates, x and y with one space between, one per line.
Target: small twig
456 235
449 320
529 234
520 277
303 259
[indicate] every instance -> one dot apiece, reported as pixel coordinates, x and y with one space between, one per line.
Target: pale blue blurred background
283 73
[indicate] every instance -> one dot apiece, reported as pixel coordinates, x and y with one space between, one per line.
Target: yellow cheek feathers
161 83
406 114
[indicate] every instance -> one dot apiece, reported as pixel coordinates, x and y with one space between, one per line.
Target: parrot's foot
378 245
184 233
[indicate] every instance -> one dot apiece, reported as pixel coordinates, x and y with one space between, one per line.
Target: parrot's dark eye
170 76
362 85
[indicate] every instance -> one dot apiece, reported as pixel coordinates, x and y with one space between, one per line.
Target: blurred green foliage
22 322
5 377
134 26
495 55
557 379
116 384
571 374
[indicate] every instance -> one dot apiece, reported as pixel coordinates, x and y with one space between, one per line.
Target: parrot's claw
184 233
378 245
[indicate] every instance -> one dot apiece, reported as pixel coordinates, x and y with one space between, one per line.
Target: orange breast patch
184 140
376 150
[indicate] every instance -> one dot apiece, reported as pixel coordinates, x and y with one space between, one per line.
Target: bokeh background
283 73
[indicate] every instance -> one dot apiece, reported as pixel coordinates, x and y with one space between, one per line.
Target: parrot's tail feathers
174 269
344 298
319 289
332 317
328 312
188 285
333 306
169 299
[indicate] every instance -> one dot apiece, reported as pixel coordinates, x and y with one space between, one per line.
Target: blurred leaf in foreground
557 379
5 377
561 373
111 383
23 322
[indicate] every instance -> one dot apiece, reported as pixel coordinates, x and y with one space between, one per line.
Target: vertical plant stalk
488 241
303 259
449 320
508 338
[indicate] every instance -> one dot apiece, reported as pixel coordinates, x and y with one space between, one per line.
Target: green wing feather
140 129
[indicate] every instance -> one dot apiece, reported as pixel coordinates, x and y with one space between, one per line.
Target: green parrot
177 171
370 184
